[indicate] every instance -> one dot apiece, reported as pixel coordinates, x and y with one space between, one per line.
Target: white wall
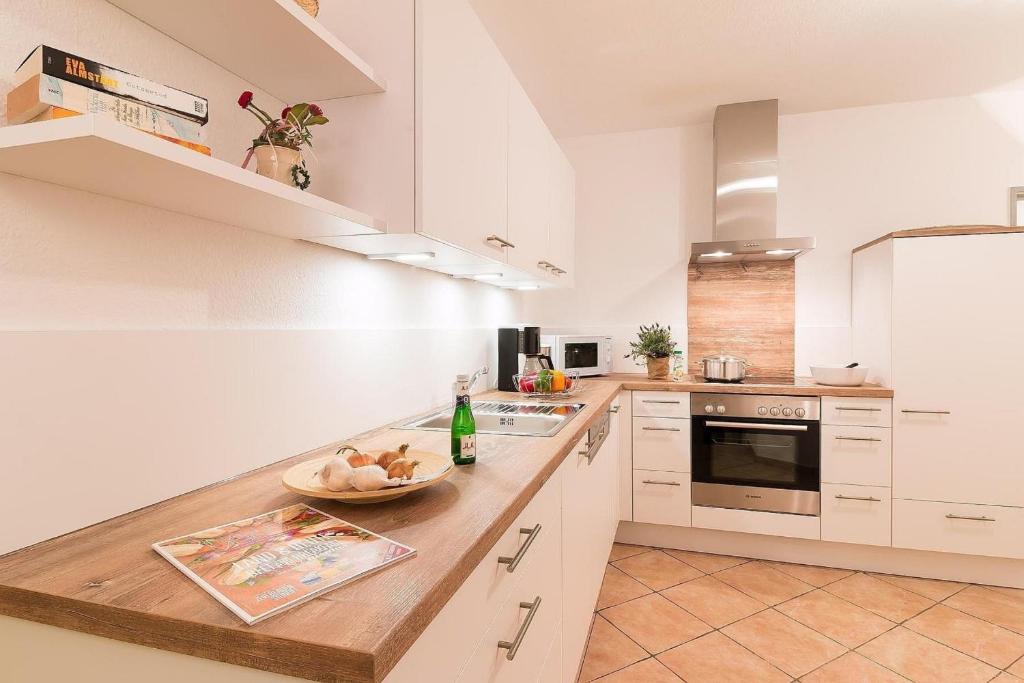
846 177
144 353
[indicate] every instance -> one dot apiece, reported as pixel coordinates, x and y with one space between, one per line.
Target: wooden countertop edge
942 231
643 384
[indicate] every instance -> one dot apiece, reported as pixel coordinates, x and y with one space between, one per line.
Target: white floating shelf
272 44
107 158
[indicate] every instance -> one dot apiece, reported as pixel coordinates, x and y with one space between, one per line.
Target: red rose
317 111
244 99
285 112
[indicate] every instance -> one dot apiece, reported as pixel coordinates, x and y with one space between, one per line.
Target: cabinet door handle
661 429
870 499
858 408
557 271
613 409
513 647
856 438
651 400
514 561
972 519
501 243
662 483
926 412
546 265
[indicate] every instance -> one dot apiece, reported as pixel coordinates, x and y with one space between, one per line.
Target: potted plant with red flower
278 147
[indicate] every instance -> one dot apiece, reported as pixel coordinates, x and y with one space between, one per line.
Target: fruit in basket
558 381
568 382
543 383
527 383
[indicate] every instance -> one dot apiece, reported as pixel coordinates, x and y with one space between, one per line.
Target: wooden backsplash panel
747 311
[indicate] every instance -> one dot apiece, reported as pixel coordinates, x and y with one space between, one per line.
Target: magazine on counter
263 565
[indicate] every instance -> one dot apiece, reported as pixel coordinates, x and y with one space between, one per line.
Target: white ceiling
597 66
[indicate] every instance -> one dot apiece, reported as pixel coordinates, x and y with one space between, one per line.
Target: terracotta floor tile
816 576
621 551
655 623
1004 609
979 639
1014 592
657 570
1018 668
880 597
712 601
647 671
929 588
706 562
784 643
841 621
608 650
853 668
618 587
1005 678
763 583
716 659
921 659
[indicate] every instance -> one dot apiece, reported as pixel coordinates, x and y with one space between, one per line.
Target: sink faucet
476 375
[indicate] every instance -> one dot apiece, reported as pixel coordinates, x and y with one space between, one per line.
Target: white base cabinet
661 497
856 514
957 528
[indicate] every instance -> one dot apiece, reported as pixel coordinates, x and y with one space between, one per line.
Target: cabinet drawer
864 412
856 455
489 663
661 404
661 443
661 497
958 528
856 514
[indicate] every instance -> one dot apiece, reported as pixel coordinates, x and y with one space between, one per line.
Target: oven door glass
782 454
580 355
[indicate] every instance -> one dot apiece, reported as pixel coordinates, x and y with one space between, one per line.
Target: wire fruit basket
550 384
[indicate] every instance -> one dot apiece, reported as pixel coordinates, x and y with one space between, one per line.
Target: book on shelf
52 113
89 74
41 92
263 565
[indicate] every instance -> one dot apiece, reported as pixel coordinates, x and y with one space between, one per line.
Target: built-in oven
755 452
586 354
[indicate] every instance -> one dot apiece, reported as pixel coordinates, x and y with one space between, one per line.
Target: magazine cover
260 566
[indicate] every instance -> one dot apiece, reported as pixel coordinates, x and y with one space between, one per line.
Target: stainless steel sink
519 418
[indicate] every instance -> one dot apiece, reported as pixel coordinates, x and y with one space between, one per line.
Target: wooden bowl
432 468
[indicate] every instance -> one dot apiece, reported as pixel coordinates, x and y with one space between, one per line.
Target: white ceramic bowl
837 376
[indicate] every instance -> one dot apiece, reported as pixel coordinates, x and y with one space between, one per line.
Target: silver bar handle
757 425
513 646
501 243
514 561
651 400
662 483
558 271
865 410
973 519
546 265
870 499
927 412
856 438
613 409
661 429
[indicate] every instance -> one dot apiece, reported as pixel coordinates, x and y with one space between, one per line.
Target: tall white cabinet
939 319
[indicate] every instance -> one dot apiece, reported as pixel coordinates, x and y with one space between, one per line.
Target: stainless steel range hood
746 188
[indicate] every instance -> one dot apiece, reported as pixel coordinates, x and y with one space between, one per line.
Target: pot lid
723 358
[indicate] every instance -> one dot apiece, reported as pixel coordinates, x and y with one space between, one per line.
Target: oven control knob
721 410
709 408
800 412
762 410
787 411
775 412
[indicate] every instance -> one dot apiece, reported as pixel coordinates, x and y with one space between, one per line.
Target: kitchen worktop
106 580
801 386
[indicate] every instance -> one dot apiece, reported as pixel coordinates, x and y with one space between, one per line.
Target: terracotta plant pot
657 368
277 162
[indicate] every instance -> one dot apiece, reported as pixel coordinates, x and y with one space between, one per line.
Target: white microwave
587 355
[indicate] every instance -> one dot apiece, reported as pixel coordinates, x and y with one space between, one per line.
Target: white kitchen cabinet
462 102
661 497
529 182
661 404
661 443
625 445
561 247
856 455
551 671
755 522
859 411
856 514
957 528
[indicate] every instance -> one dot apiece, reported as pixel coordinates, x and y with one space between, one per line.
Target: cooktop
780 381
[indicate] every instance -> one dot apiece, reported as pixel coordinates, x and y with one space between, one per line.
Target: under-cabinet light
486 276
782 252
408 257
526 288
717 254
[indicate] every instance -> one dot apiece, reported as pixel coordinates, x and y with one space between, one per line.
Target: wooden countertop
802 386
942 231
106 580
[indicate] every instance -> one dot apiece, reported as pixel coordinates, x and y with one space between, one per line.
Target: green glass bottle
463 425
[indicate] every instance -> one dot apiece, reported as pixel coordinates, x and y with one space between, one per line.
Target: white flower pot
277 162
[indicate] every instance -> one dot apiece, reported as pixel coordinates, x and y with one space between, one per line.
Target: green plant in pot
654 347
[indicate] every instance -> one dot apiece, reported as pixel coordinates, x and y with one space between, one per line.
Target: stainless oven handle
757 425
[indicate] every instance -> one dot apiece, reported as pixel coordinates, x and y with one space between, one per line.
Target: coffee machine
519 352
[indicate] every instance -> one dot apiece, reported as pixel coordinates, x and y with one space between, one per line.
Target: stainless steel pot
723 368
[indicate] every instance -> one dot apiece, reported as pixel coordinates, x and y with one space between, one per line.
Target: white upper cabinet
529 178
462 129
562 210
957 319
